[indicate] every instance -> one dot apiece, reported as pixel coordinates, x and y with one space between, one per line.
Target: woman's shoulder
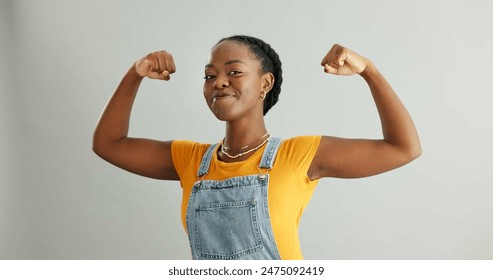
189 147
299 147
298 152
187 153
301 141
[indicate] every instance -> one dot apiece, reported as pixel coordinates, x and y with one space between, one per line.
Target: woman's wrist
134 73
369 71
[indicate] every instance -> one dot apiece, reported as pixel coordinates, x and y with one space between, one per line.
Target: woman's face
233 82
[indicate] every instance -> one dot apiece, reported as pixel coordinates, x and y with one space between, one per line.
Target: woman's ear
267 82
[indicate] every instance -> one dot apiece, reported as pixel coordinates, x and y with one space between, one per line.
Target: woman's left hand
343 61
356 158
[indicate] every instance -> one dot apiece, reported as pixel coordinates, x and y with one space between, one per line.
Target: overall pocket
227 230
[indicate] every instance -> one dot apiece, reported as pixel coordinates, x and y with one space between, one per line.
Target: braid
269 61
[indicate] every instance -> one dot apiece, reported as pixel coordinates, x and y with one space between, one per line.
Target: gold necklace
244 153
244 147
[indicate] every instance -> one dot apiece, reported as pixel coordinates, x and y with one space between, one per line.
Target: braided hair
269 61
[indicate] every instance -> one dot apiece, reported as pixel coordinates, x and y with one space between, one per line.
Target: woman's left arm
354 158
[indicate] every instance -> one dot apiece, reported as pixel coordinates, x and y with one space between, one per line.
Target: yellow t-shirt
289 189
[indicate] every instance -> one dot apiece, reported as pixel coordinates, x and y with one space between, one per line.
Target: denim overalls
229 219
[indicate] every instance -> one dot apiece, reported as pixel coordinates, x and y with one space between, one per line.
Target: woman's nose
221 82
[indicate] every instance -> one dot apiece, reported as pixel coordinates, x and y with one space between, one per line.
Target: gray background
61 61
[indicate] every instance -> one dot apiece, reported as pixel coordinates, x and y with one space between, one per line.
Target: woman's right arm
145 157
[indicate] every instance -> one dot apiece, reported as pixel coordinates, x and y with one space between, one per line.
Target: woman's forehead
228 51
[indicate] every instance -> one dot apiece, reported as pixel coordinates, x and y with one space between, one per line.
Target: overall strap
270 153
206 161
266 162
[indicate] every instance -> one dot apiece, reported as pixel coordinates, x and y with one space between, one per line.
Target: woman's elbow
96 148
98 145
413 152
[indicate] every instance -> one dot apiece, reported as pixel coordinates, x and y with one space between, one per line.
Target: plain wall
62 60
9 124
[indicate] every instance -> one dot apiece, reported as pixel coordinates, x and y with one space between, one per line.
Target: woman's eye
234 72
208 77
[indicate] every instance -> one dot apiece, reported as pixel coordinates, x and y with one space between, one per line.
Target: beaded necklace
224 149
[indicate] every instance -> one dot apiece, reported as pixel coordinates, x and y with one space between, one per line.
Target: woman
243 197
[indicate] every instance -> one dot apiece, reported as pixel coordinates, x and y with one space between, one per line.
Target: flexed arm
353 158
145 157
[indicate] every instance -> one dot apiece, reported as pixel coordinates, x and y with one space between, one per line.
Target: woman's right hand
156 65
146 157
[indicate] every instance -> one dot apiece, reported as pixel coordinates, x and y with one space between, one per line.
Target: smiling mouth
221 96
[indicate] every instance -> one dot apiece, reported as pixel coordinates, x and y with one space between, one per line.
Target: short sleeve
186 153
300 151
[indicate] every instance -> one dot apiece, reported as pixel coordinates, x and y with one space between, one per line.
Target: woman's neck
238 136
242 138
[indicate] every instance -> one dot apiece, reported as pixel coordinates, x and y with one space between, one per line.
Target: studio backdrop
61 61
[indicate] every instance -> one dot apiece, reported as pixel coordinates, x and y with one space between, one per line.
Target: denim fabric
229 219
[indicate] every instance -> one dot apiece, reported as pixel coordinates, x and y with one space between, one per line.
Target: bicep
145 157
354 158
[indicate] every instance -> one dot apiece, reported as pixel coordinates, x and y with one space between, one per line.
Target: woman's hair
269 61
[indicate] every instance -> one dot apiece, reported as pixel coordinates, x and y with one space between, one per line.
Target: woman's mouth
221 96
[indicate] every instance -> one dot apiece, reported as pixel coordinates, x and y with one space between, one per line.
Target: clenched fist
156 65
343 61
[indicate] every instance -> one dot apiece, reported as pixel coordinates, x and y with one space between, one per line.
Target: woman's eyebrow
233 61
